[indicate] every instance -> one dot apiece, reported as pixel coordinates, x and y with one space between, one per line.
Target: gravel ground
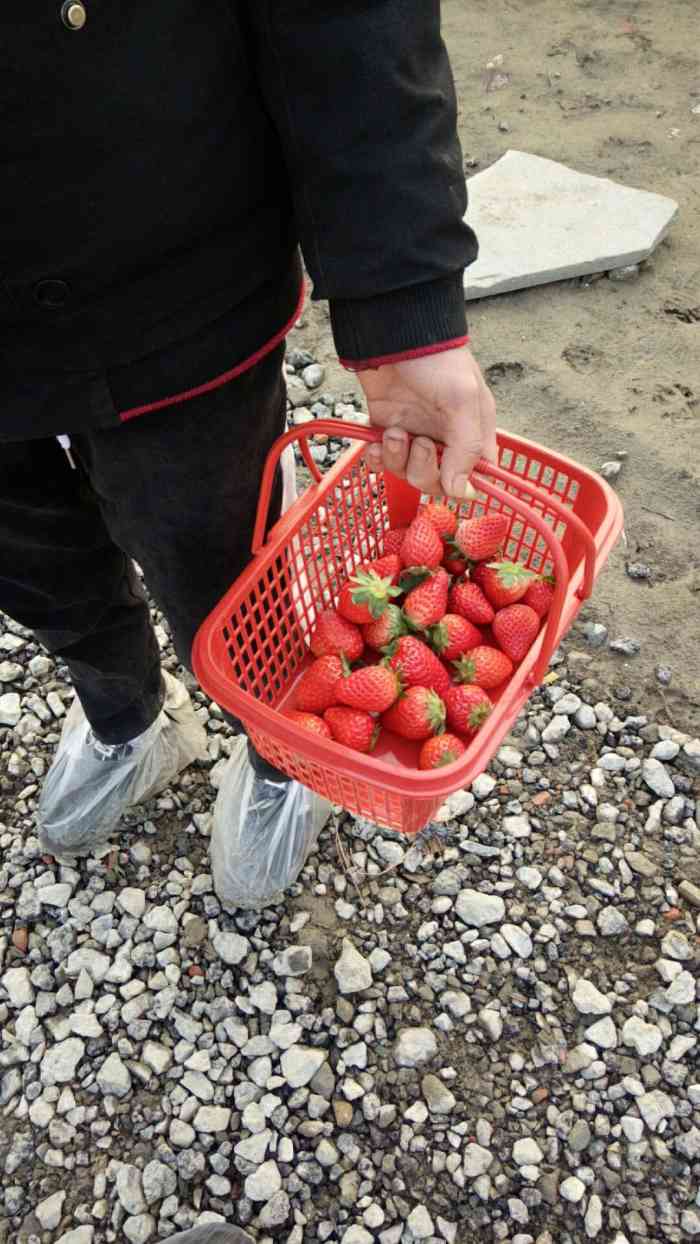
490 1032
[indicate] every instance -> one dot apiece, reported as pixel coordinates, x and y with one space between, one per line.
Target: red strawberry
440 750
417 714
309 721
372 688
515 628
385 630
393 539
417 665
426 604
366 594
484 666
422 545
468 600
317 689
539 595
453 636
480 538
454 565
388 566
467 708
443 518
503 582
333 635
352 727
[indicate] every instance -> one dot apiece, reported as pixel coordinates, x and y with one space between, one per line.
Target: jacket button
51 294
73 14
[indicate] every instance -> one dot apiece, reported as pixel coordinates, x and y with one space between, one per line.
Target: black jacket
159 165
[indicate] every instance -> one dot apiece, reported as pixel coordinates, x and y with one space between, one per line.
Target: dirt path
608 87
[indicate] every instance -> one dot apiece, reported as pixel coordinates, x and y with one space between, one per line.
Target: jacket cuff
404 323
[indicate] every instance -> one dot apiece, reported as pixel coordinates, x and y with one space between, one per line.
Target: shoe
262 835
91 784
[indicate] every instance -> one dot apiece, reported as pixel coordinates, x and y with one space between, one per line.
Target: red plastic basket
251 650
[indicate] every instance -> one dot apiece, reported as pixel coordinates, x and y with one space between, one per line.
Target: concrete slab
538 221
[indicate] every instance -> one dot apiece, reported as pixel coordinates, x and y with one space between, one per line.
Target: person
163 162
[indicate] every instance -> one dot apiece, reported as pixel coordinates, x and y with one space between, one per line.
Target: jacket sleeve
362 97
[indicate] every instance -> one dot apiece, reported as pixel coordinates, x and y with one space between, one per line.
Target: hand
438 398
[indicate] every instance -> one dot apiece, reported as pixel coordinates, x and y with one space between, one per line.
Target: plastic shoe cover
90 784
262 835
212 1233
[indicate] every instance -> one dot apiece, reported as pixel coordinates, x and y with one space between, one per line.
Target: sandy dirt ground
598 368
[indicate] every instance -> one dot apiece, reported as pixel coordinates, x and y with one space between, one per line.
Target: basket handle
363 432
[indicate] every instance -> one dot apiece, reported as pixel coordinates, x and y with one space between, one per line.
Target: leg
62 576
178 490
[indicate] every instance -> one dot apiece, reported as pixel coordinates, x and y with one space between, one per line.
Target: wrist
408 323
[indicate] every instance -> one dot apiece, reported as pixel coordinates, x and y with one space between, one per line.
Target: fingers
458 462
422 470
489 442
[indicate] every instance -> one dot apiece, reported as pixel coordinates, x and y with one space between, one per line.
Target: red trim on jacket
226 376
417 353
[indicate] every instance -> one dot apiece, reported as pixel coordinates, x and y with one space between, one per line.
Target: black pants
176 491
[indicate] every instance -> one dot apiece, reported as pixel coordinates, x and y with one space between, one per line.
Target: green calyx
435 712
370 590
438 636
478 715
464 668
512 574
395 626
413 576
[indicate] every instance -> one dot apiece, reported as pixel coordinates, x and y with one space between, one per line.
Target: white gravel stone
681 991
156 1056
129 1189
526 1152
556 730
530 877
230 947
300 1063
657 778
79 1235
645 1038
263 1183
114 1078
88 960
478 910
572 1189
18 985
132 901
517 826
414 1046
611 922
211 1119
654 1107
356 1235
160 920
593 1221
603 1034
10 709
419 1223
483 786
264 998
60 1062
477 1160
491 1023
353 972
588 1000
49 1211
159 1181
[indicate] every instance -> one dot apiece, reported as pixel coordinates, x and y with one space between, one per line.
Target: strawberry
317 689
440 750
417 714
385 630
515 628
503 582
422 545
388 566
455 566
453 636
352 727
366 594
393 539
372 688
540 594
443 519
334 636
467 708
480 538
468 600
309 721
417 666
484 666
426 604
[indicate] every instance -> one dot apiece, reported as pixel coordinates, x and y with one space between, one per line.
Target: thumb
458 462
